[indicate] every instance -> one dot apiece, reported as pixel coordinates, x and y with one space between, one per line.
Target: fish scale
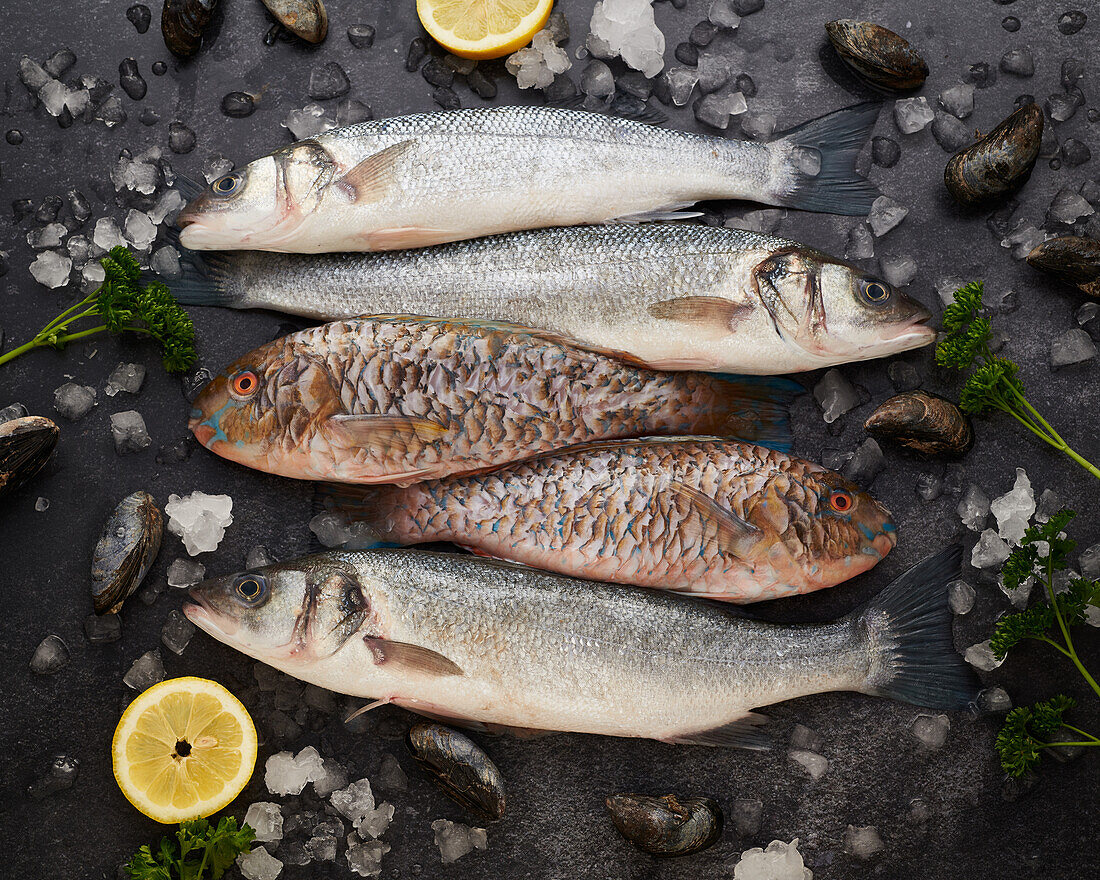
618 511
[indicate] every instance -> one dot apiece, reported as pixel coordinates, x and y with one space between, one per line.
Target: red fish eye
841 501
244 383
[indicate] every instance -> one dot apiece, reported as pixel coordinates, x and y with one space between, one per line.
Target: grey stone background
556 825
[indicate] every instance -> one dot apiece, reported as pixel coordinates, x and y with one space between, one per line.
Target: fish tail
755 409
908 626
360 508
822 175
205 280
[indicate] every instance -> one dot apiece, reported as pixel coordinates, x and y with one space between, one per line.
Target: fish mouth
203 432
182 220
199 612
915 330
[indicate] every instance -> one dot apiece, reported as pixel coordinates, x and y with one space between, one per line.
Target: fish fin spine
741 733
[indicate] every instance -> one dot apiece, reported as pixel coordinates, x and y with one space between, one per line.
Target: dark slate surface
556 826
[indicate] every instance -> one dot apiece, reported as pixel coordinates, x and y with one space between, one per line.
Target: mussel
878 55
666 826
305 18
459 767
998 164
126 550
25 446
923 423
182 23
1073 259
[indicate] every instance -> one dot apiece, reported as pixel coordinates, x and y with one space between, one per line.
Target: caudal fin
822 173
755 409
908 626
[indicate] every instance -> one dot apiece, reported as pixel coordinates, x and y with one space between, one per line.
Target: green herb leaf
197 851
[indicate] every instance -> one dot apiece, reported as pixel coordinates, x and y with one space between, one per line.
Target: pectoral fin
403 658
742 733
380 431
373 177
404 237
706 312
735 536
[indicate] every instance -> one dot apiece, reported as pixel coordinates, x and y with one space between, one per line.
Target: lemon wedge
183 749
483 28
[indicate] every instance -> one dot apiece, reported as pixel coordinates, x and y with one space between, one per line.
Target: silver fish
412 181
492 643
674 296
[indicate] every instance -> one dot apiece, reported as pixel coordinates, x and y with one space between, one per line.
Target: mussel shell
998 164
923 423
459 767
126 550
1073 259
878 55
305 18
666 826
26 445
182 23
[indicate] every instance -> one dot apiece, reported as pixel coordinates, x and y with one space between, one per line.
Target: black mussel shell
306 18
1073 259
878 55
1000 163
666 826
182 23
26 444
923 423
459 767
127 547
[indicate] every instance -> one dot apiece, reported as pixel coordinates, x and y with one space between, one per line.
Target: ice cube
835 395
145 672
931 730
365 859
59 776
1014 509
1073 347
929 486
375 823
722 14
764 220
780 861
125 377
912 114
960 597
958 100
681 82
176 632
51 269
717 108
266 819
258 865
73 401
980 656
973 508
107 234
714 70
215 166
287 773
129 433
390 775
355 801
307 122
42 504
1089 562
12 411
50 656
322 847
258 557
597 80
745 815
946 286
168 205
536 65
885 215
861 244
331 777
199 519
32 75
1018 62
990 551
140 230
53 96
627 29
1067 207
185 573
1018 596
48 236
456 840
331 528
866 463
898 269
102 628
816 765
1023 239
863 841
994 699
758 126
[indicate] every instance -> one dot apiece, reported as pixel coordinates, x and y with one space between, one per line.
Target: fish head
268 410
259 206
835 312
293 612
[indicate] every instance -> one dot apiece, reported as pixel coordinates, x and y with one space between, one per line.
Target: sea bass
722 518
419 180
675 296
495 643
398 399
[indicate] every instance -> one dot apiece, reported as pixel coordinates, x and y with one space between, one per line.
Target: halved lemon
183 749
483 28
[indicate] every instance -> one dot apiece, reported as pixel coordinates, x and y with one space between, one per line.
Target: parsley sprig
994 383
196 851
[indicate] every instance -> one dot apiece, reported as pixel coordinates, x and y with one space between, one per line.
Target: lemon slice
183 749
483 28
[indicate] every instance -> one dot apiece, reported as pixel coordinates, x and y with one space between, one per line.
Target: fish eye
840 501
244 384
874 292
251 588
226 186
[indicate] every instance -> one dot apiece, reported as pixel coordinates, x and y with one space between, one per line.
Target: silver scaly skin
720 518
412 181
674 296
467 638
